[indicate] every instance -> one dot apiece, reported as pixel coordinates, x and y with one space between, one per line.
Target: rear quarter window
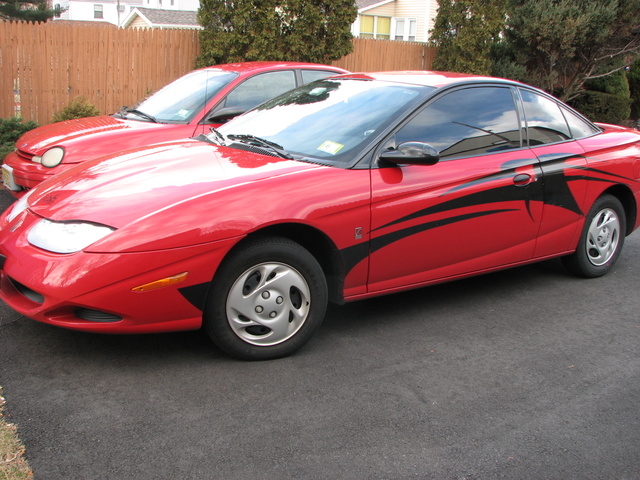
579 127
309 76
544 119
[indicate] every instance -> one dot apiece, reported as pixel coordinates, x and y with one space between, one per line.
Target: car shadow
423 301
422 304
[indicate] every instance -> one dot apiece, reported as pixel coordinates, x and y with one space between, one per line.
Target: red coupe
184 108
343 189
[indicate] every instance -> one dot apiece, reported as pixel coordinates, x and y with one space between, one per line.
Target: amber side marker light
163 282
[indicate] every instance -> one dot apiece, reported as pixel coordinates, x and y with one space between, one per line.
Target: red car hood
126 187
87 138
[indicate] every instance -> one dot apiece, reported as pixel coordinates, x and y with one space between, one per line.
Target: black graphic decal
557 191
356 253
505 193
601 172
551 189
507 170
487 197
196 295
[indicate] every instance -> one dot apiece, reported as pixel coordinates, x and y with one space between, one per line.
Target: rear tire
267 300
601 240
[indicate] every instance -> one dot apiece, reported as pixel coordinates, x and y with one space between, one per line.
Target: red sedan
343 189
185 108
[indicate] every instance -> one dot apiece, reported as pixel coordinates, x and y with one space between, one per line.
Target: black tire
601 239
267 282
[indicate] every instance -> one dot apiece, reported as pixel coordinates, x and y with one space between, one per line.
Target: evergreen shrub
11 129
78 108
603 107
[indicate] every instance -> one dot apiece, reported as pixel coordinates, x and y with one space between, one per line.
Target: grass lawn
13 465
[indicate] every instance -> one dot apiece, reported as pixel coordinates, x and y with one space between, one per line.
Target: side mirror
224 115
412 153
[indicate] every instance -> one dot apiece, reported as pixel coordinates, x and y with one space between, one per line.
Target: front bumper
93 291
20 174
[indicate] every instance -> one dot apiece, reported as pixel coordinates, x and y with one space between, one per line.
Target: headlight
66 237
51 157
20 206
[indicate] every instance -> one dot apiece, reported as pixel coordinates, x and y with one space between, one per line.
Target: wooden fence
43 67
381 55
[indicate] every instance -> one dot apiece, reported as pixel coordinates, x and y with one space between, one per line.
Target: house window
405 29
372 26
97 11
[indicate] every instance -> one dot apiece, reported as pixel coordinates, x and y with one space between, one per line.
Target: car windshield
329 120
184 98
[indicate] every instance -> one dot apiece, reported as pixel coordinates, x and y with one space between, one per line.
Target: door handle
523 179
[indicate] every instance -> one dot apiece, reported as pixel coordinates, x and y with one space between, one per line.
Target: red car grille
27 292
25 155
96 316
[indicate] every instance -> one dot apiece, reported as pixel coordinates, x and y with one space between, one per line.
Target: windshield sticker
330 147
183 113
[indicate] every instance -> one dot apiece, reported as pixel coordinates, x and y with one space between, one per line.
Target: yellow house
408 20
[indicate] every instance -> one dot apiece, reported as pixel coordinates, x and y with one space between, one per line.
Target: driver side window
261 88
472 121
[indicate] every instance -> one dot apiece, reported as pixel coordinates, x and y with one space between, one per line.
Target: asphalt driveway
524 374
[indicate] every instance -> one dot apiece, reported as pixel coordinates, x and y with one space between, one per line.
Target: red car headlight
66 237
51 158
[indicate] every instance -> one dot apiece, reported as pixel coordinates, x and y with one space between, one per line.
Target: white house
116 11
408 20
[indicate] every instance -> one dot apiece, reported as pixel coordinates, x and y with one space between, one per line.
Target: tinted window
545 122
261 88
579 127
467 122
313 75
181 100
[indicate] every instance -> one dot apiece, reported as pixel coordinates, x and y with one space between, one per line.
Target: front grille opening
96 315
25 155
27 292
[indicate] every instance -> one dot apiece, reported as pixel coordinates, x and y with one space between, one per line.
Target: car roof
428 78
252 67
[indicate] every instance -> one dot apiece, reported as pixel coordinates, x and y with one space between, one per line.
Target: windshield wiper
204 138
218 135
262 143
141 114
122 112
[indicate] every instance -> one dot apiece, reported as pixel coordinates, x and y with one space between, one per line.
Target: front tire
267 300
601 240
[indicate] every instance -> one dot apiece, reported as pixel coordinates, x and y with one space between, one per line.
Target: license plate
7 179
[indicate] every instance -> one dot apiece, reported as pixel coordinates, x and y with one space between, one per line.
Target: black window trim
441 92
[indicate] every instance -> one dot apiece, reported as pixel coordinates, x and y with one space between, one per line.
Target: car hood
130 186
87 138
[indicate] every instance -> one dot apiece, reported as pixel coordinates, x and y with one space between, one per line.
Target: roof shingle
169 17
